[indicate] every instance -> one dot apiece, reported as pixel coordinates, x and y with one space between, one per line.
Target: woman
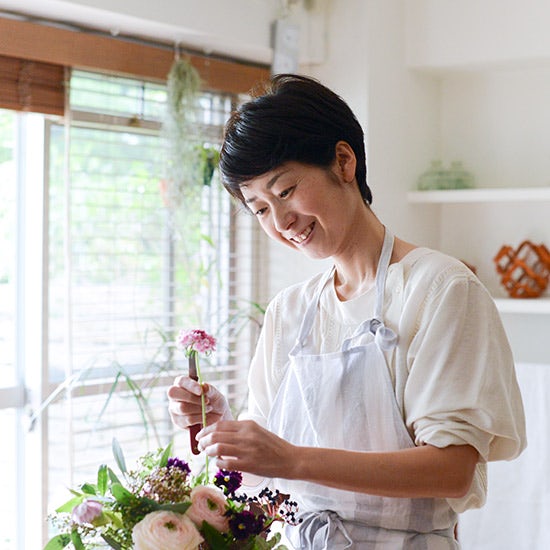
380 388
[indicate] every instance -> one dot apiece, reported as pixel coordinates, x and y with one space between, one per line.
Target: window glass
7 246
126 273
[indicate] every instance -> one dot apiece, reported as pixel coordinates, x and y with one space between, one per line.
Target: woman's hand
184 403
245 446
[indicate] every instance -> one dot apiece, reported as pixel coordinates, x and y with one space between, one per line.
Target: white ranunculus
208 504
166 530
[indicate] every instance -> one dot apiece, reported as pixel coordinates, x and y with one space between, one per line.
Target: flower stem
203 407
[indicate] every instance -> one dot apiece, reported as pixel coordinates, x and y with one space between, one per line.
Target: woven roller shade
31 86
88 51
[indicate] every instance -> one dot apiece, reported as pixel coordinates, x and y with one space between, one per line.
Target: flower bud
87 511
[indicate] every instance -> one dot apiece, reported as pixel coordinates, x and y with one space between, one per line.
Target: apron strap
384 336
311 312
381 272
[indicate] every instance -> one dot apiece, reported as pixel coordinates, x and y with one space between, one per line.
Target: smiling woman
380 388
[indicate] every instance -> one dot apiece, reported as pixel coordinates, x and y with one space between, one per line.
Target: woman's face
302 206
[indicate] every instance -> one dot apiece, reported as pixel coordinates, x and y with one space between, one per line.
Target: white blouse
452 369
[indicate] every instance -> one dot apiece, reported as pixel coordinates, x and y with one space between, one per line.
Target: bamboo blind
33 55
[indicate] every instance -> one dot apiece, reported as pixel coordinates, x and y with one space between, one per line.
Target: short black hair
289 118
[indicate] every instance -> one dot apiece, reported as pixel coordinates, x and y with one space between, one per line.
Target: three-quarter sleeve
462 387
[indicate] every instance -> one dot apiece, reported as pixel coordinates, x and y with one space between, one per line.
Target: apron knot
385 337
319 529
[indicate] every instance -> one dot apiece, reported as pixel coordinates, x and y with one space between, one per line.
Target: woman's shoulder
428 272
427 262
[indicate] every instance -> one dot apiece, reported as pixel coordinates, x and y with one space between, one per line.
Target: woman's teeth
301 237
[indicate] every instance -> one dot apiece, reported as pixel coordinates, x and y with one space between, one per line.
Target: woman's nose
282 218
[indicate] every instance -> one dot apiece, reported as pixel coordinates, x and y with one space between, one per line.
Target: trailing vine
182 133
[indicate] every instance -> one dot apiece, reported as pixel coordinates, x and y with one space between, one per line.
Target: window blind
127 273
91 49
27 85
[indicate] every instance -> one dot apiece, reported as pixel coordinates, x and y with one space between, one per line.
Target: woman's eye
286 192
260 212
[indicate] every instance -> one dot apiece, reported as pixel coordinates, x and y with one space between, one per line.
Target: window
111 275
11 397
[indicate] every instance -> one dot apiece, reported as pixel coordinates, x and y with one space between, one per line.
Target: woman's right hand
184 403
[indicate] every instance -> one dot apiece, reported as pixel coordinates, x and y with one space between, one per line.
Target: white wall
447 33
495 116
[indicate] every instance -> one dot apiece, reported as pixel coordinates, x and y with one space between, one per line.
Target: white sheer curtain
517 513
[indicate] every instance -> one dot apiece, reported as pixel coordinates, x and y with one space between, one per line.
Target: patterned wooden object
525 271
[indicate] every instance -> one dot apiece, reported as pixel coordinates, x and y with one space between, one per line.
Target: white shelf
524 194
528 306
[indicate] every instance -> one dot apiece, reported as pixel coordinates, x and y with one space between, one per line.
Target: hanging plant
208 159
182 133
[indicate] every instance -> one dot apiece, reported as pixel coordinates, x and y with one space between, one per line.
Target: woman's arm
417 472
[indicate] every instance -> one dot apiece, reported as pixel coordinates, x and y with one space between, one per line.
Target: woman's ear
345 161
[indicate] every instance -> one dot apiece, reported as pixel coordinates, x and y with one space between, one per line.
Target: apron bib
346 400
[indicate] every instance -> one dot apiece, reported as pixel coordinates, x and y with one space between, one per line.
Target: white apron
346 400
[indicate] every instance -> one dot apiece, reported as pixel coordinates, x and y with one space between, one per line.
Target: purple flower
87 511
245 524
174 462
228 480
196 340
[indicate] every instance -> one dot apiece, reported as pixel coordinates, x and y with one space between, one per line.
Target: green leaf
113 477
122 495
76 540
201 479
119 456
114 518
166 454
213 537
208 239
111 542
89 489
259 543
70 504
179 508
102 479
58 542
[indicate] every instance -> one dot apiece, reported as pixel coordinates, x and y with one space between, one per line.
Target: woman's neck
356 265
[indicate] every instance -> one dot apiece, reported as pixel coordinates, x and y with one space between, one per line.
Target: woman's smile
300 238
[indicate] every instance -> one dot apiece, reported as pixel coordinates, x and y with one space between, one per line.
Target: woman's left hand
245 446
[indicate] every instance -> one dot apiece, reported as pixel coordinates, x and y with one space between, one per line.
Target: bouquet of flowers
160 505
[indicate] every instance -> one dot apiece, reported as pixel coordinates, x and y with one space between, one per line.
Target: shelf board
496 194
528 306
